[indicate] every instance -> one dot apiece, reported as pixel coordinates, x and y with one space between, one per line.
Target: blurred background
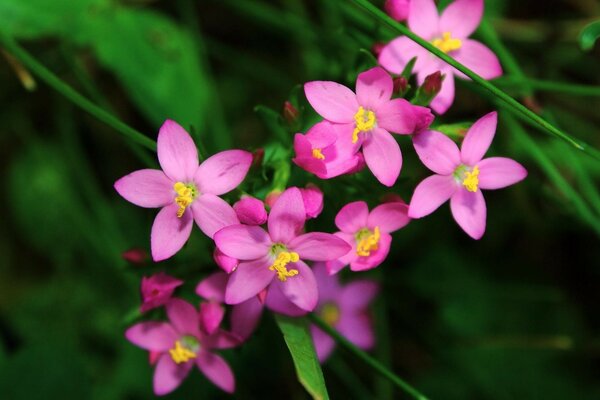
513 315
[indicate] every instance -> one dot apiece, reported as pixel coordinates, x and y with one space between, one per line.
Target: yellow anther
330 314
471 181
281 262
181 354
364 121
316 153
446 43
367 242
185 196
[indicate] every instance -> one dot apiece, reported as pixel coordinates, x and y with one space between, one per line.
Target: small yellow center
471 180
367 241
365 121
446 43
185 196
316 153
281 262
330 314
181 354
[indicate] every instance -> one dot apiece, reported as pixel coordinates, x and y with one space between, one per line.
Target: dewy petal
437 151
332 101
152 335
169 233
278 302
223 172
352 217
168 375
479 58
212 214
478 139
213 287
177 152
444 99
499 172
374 88
397 53
148 188
245 317
358 329
183 317
324 344
318 246
389 217
461 18
383 157
211 315
469 212
244 242
357 295
376 257
301 289
216 370
397 116
431 193
248 280
287 216
423 19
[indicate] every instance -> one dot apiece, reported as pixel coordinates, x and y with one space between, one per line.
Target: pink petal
383 157
223 172
342 157
333 267
478 58
469 212
318 246
244 242
245 317
431 193
352 217
321 135
437 151
287 216
152 335
183 317
361 263
146 188
397 116
374 88
332 101
329 286
168 375
222 339
216 370
478 139
444 99
213 287
177 152
313 200
423 19
211 315
248 280
396 54
423 118
212 214
397 9
461 18
302 288
225 262
324 344
499 172
358 329
169 233
389 217
278 302
357 295
250 211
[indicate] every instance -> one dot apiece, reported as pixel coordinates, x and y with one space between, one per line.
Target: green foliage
589 35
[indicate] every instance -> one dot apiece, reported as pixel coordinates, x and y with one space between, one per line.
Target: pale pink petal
169 233
301 289
431 193
278 302
183 317
321 135
357 295
248 280
499 172
223 172
212 214
168 375
479 138
177 152
245 317
383 157
146 188
444 99
358 329
479 58
152 335
352 217
211 315
469 212
362 263
343 156
396 54
461 18
287 216
213 287
397 116
333 267
216 370
423 19
318 246
437 151
250 211
374 88
244 242
389 217
324 344
332 101
225 262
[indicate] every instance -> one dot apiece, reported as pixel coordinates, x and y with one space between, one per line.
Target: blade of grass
514 82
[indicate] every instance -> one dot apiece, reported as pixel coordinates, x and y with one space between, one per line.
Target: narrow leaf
588 35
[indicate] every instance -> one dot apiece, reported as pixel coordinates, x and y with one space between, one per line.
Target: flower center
185 349
367 241
186 193
446 43
330 313
316 153
283 258
469 178
365 121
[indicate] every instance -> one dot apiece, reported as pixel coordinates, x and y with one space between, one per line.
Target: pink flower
274 258
450 33
344 308
367 233
397 9
181 343
250 211
462 174
365 119
157 290
185 189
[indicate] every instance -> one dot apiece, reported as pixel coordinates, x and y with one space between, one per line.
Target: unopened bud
272 198
433 84
257 157
401 86
290 113
136 256
377 48
397 9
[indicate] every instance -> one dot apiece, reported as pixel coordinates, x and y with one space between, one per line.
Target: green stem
513 105
56 83
373 363
549 86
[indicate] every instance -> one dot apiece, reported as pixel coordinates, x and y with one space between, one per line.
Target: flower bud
272 197
257 157
250 211
136 256
376 48
290 113
432 84
401 86
313 200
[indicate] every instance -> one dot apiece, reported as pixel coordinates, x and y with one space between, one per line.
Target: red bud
376 48
136 256
400 85
433 84
290 113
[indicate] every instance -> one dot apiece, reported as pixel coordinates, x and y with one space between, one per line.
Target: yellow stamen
446 43
185 196
367 242
316 153
330 314
181 354
281 262
471 181
365 121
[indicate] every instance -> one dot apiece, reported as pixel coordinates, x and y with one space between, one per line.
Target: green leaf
298 339
588 35
274 122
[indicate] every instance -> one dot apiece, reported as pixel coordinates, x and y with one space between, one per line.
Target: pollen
364 121
185 196
281 262
316 153
446 43
471 180
367 241
181 354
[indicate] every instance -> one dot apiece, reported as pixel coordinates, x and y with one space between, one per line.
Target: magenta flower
313 200
182 343
397 9
157 290
462 174
450 33
185 189
250 211
367 118
367 233
344 308
274 258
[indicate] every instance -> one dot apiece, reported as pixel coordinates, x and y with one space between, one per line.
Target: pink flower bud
136 256
313 200
290 113
250 211
397 9
432 84
376 48
400 85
